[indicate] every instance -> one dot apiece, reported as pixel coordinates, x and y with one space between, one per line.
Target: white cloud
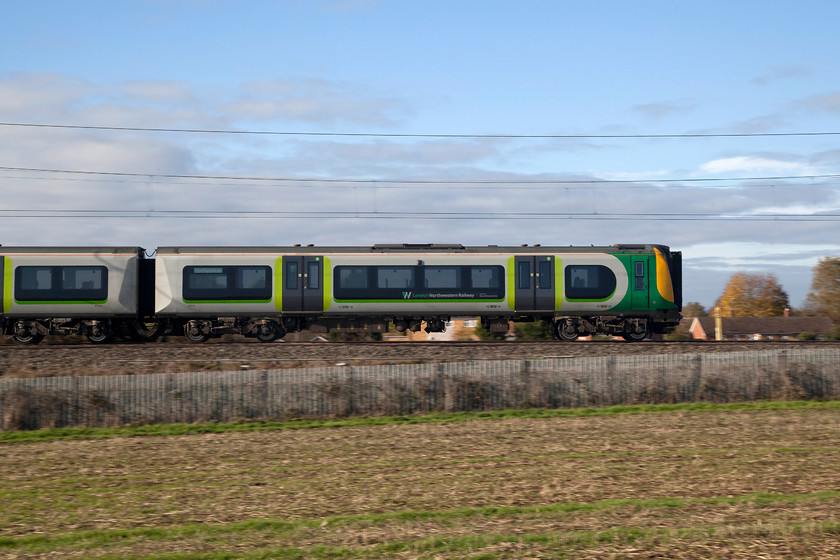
753 163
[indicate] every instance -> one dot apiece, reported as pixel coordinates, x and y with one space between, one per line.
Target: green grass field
683 481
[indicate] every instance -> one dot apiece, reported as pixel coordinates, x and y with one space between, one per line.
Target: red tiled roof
768 326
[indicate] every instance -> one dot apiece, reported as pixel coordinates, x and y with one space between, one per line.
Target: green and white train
265 292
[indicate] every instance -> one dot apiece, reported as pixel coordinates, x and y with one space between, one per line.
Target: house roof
778 326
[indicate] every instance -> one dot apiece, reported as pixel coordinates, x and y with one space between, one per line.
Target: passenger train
632 291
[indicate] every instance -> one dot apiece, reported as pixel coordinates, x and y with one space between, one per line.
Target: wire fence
418 388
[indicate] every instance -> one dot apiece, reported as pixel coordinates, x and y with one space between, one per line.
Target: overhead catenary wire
421 135
636 184
385 215
405 181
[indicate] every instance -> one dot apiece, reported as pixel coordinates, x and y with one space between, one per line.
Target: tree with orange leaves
824 296
753 295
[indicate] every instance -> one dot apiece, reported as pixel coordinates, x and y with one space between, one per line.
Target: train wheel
565 331
194 333
100 333
26 338
100 338
196 338
28 332
635 337
269 332
636 333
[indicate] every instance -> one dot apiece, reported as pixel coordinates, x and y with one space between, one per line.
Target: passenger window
81 278
34 278
206 278
401 277
445 277
486 276
352 277
253 278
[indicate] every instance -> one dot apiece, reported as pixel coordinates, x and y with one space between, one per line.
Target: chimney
787 311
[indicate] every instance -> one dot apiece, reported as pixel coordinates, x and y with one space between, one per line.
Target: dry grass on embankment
716 484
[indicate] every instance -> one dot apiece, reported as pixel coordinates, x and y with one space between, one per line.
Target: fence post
351 389
265 412
523 397
697 378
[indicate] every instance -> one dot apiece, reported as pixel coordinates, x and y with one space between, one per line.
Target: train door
303 284
534 283
641 282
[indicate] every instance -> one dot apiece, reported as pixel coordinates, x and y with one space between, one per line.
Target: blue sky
528 68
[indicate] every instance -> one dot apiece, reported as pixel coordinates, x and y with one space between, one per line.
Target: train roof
401 248
409 248
72 250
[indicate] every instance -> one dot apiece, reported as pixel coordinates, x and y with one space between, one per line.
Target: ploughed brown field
721 484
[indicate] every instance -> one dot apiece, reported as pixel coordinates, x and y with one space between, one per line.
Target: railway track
48 360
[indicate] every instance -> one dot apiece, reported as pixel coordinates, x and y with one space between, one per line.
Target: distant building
759 328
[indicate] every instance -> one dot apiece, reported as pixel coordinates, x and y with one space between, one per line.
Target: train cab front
669 285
